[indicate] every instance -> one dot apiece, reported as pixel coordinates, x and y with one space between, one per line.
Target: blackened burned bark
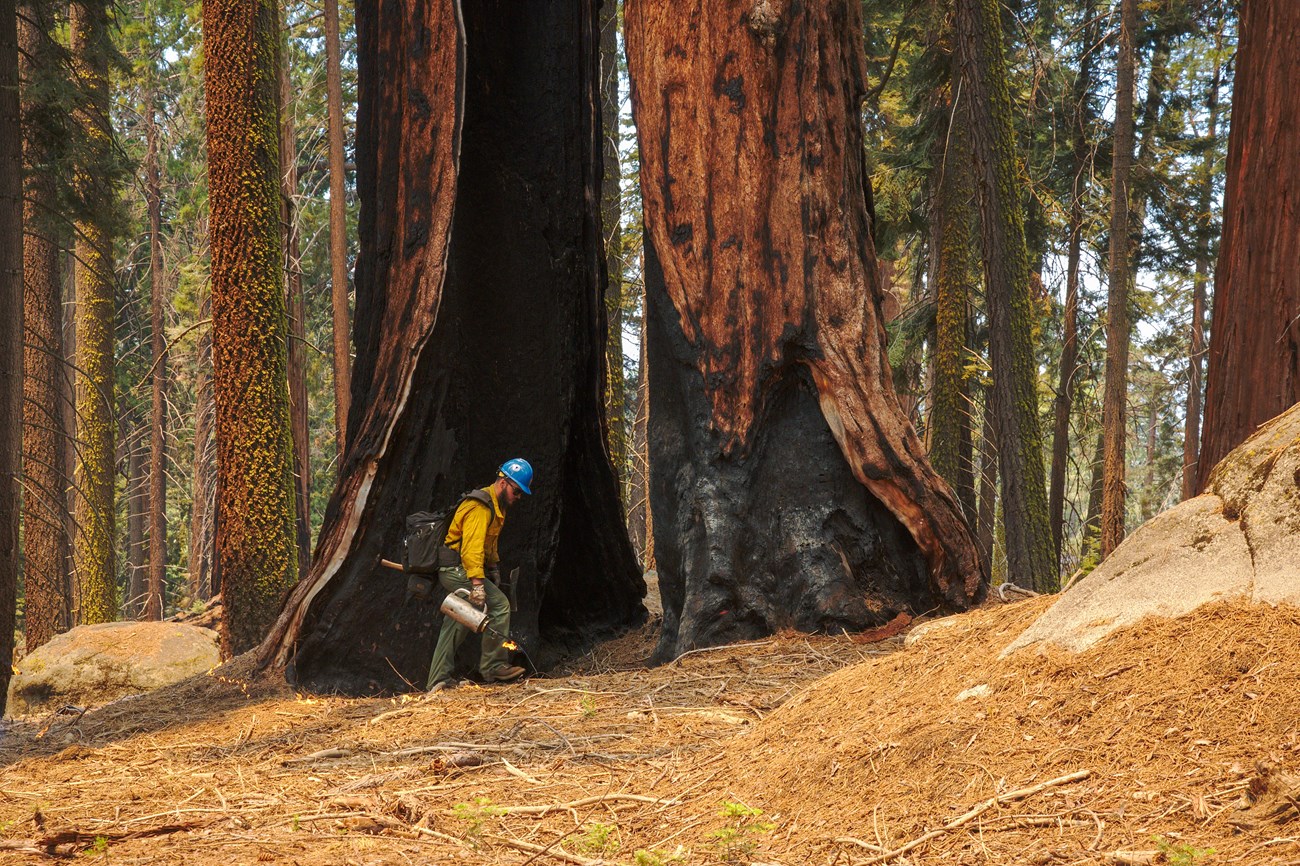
788 487
1254 361
475 342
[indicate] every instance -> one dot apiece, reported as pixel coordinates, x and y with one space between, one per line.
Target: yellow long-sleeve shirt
474 533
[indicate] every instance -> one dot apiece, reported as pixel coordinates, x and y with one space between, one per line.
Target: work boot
504 674
442 686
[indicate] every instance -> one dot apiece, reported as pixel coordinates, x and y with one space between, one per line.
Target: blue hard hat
519 471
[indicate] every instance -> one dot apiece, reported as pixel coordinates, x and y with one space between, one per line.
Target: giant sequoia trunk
788 487
1254 366
475 341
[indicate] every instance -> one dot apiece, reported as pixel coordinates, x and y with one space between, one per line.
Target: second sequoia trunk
476 341
788 487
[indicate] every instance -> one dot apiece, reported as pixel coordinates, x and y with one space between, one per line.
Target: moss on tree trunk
256 549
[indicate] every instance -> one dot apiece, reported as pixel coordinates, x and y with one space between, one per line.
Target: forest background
145 185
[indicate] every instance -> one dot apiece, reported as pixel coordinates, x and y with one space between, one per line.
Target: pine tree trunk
68 406
788 487
153 607
954 219
1010 303
135 605
1120 276
986 522
338 227
204 509
638 496
610 221
1066 382
256 550
1200 280
471 348
297 308
11 337
1254 360
45 470
1091 545
93 549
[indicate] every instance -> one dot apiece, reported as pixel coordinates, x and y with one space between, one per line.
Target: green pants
492 655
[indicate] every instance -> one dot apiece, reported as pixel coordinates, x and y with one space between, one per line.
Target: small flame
509 644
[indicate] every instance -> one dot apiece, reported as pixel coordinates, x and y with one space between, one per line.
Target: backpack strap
483 498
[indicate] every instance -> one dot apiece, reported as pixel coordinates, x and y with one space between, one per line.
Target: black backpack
423 551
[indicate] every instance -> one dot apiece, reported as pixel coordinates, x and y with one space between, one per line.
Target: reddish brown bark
470 350
776 431
1118 322
11 336
338 227
45 466
1254 358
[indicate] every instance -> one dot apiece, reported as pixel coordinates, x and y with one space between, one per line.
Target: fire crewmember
472 541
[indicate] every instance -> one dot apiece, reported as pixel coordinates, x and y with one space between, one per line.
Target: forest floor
1172 738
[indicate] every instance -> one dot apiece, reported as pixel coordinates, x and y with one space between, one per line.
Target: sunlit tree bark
256 549
788 487
45 467
1254 359
94 513
11 337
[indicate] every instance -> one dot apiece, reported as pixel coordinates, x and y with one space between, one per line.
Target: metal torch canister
457 606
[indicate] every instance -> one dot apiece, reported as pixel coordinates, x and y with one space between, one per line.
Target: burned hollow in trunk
479 334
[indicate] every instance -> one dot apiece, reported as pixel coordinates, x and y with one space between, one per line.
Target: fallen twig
1008 797
710 649
585 801
322 755
546 851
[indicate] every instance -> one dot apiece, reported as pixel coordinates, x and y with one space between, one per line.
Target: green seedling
1181 853
739 837
599 840
476 814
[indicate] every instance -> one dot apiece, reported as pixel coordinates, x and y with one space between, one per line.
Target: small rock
980 691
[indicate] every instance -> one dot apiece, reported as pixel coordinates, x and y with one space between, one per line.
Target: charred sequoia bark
788 487
475 341
1254 360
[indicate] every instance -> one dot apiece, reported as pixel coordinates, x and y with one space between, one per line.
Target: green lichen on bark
256 548
998 184
94 569
950 421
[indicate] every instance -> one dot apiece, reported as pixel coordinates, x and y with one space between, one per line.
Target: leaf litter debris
1175 741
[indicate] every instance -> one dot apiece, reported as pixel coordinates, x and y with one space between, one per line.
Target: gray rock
94 664
1239 539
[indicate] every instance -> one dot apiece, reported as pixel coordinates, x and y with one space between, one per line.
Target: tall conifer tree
256 552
